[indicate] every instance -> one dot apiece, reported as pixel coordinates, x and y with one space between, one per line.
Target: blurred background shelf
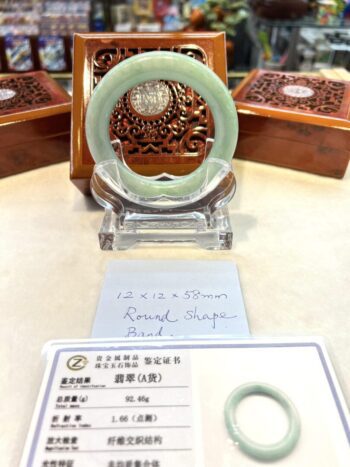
38 34
303 44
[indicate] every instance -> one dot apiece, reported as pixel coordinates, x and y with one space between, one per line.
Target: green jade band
169 66
263 452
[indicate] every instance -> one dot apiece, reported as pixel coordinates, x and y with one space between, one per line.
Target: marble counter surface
291 245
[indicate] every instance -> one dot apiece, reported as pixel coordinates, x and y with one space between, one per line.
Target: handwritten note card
170 298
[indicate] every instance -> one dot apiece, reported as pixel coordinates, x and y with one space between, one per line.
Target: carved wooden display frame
95 54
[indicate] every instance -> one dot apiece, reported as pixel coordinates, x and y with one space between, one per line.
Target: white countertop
291 245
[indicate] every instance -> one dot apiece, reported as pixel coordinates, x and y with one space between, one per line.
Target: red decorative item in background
280 9
160 8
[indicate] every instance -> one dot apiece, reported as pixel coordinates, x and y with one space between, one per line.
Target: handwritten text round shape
169 66
263 452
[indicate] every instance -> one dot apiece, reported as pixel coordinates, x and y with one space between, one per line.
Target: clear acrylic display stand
201 217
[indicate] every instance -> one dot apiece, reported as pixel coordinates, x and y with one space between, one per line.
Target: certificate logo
78 362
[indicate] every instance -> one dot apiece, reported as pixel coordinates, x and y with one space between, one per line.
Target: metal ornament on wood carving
6 94
150 99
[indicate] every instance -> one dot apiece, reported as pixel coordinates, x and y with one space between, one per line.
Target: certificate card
170 298
160 403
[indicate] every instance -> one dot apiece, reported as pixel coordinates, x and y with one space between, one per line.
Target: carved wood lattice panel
306 94
176 133
22 93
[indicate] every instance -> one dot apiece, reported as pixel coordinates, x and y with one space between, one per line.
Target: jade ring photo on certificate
169 66
262 452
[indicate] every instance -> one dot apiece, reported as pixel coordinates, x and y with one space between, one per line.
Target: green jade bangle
169 66
263 452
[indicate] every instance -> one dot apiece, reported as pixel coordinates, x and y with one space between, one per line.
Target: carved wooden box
295 121
34 122
168 137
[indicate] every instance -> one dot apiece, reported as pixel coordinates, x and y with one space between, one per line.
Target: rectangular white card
170 298
161 403
109 408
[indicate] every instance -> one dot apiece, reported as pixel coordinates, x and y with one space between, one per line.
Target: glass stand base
209 230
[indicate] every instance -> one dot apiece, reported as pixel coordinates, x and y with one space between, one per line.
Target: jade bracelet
263 452
169 66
